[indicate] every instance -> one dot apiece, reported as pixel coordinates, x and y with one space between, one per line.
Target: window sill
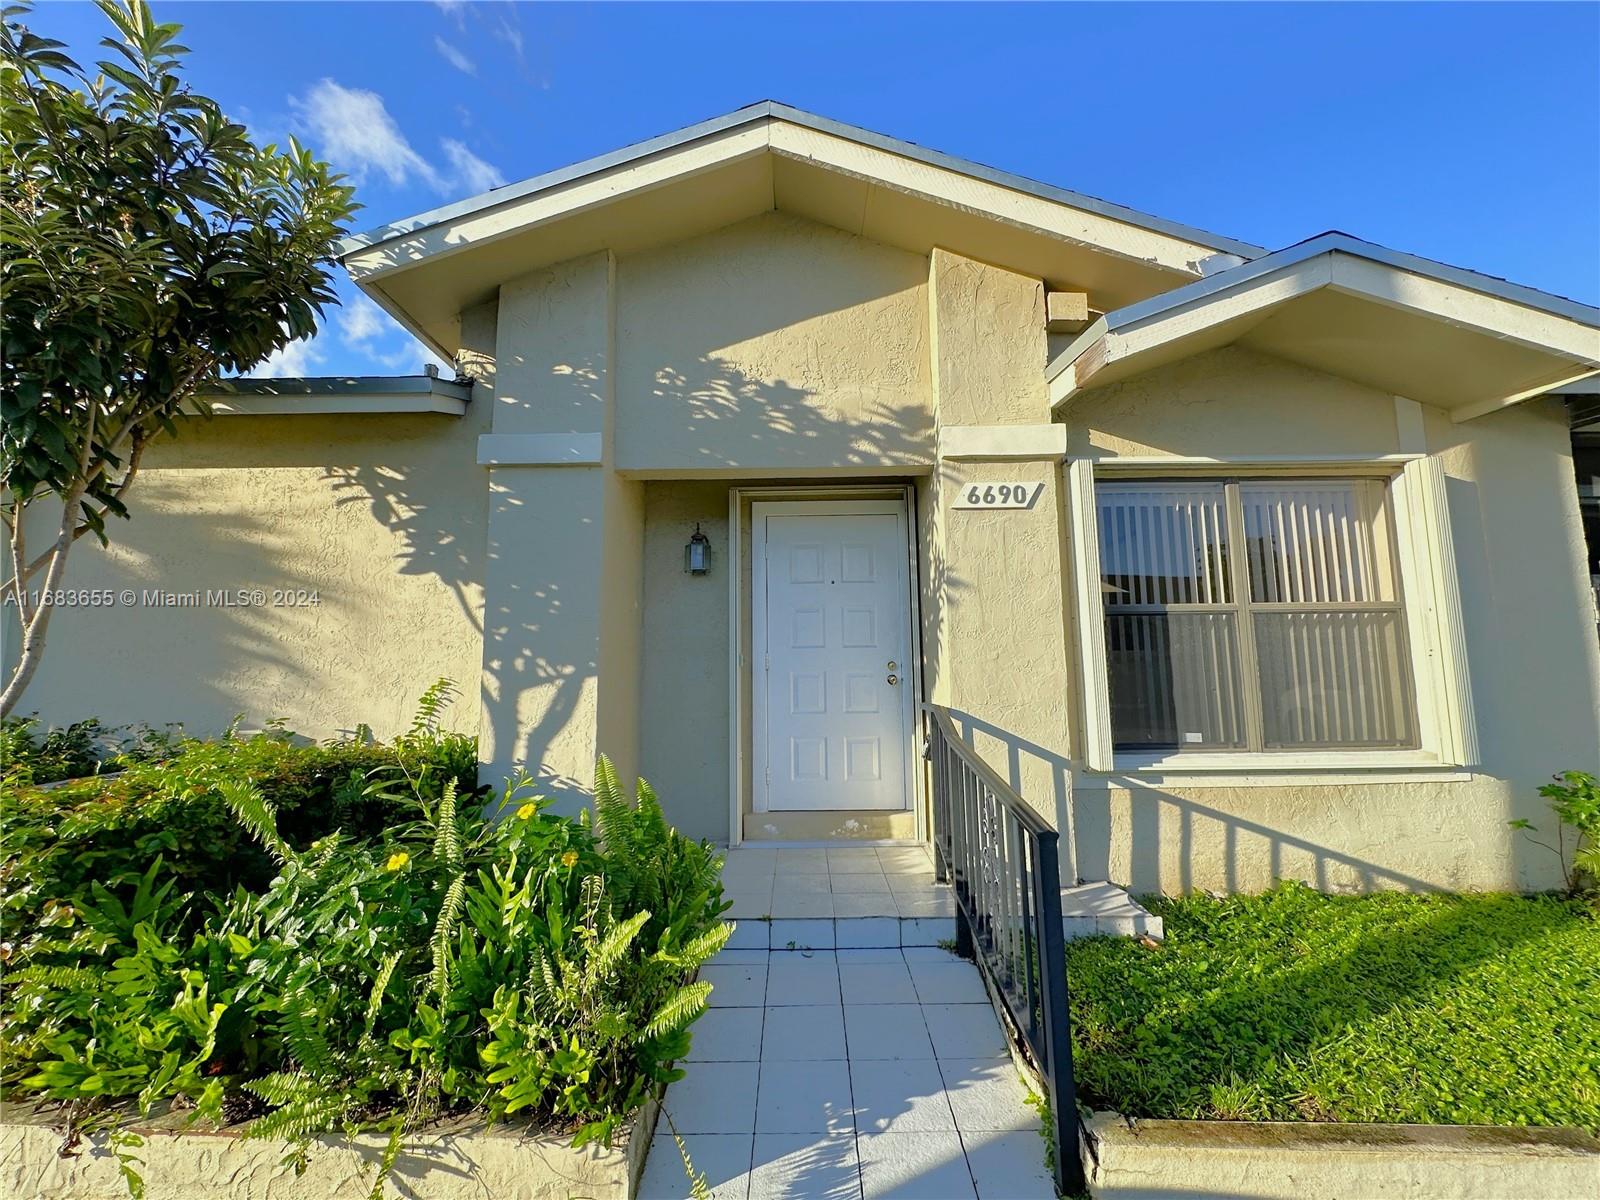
1275 770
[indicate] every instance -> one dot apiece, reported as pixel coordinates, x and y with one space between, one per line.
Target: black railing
1001 859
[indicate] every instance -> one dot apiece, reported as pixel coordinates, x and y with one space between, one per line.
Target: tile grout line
849 1073
761 1045
944 1084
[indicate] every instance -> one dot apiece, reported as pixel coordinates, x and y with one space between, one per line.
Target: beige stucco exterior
369 524
623 393
776 345
1512 514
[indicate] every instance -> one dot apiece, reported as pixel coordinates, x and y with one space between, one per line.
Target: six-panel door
832 677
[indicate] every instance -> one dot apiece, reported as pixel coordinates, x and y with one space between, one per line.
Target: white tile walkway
845 882
851 1074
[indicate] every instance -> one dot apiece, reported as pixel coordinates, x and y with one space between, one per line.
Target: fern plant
524 965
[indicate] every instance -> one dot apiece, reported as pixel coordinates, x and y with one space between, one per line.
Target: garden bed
1392 1008
326 949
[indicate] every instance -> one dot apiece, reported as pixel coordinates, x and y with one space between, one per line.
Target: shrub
1575 799
56 842
27 756
527 965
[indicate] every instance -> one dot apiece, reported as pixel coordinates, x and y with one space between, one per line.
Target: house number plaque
998 495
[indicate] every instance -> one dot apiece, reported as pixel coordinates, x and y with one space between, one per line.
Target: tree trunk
36 623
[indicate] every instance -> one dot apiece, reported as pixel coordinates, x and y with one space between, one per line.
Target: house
1237 565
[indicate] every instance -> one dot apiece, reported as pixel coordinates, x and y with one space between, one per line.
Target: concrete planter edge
1132 1159
454 1160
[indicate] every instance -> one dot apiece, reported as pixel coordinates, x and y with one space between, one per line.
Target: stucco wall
683 697
1533 658
987 342
381 516
993 636
561 642
1233 402
773 344
553 349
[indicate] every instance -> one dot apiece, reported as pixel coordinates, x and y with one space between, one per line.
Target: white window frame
1430 591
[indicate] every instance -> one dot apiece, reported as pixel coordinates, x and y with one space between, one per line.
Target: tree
147 246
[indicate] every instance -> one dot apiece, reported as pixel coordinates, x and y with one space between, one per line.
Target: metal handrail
1001 859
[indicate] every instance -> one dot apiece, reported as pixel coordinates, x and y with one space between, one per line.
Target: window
1253 615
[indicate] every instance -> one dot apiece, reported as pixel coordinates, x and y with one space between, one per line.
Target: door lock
893 679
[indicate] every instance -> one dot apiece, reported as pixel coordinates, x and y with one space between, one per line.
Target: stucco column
996 576
562 587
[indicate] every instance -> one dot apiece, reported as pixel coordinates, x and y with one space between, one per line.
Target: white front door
831 639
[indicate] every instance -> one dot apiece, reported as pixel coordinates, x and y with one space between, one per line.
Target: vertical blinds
1164 545
1311 543
1253 614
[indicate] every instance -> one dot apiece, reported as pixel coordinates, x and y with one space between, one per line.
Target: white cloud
454 57
377 341
363 322
469 169
298 358
412 357
456 10
509 33
354 129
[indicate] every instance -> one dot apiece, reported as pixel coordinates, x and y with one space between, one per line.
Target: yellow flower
526 811
397 860
570 857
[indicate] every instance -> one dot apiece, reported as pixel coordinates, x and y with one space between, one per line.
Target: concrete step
1093 909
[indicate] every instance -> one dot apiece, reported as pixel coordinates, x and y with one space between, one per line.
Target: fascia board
773 112
475 230
599 164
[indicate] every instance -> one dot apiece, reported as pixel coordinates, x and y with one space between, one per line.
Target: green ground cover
1438 1009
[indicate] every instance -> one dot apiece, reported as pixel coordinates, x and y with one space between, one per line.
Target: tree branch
37 624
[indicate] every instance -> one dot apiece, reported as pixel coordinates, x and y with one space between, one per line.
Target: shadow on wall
774 344
541 655
1024 759
336 635
733 421
428 542
246 672
1168 840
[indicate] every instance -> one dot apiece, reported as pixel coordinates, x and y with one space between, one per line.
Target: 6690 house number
998 495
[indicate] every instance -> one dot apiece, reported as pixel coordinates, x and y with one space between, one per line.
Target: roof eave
1108 341
338 395
766 111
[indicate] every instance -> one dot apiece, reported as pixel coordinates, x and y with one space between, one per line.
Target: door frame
741 603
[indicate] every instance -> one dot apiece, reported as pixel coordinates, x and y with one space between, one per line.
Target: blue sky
1468 133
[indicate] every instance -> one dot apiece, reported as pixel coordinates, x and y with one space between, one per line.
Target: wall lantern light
697 554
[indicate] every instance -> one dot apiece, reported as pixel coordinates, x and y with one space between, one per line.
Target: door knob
890 664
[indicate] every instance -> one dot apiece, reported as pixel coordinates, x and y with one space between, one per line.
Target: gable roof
426 268
766 109
1467 342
